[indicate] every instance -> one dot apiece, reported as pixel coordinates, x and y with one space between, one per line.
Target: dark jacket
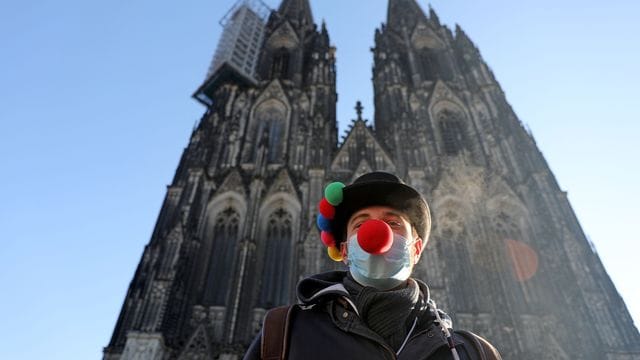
326 326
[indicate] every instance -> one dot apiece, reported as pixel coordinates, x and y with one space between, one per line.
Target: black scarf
387 313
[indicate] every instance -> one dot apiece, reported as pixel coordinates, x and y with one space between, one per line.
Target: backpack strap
481 345
275 333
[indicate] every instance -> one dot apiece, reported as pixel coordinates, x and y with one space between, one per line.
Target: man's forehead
378 210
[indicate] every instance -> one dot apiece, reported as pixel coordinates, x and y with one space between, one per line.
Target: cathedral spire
296 10
464 42
404 12
433 16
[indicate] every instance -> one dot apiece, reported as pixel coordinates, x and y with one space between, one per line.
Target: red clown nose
375 237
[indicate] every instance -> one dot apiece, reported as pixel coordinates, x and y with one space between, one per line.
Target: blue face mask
384 271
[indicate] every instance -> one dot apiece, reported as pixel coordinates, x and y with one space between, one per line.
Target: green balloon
333 193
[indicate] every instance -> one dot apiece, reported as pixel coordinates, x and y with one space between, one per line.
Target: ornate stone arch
450 122
452 132
222 201
269 123
511 214
221 235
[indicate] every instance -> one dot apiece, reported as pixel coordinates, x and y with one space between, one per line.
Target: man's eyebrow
357 217
393 213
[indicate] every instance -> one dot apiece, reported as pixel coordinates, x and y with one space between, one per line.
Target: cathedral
507 258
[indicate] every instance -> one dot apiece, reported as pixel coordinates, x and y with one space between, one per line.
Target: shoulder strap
275 333
481 345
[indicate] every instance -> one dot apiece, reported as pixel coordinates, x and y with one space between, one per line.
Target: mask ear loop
344 249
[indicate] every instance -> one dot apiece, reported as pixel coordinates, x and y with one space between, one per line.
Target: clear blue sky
95 110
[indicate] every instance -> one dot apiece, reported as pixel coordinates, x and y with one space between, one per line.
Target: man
378 226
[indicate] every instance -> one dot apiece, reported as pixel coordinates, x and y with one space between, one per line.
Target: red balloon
375 237
326 209
327 239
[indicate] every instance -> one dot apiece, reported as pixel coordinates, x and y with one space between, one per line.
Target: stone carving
198 346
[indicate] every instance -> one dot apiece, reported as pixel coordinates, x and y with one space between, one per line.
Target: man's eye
356 226
394 223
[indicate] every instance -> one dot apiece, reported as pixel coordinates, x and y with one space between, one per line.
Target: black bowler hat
381 189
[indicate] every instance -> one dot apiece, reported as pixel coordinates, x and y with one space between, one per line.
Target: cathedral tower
230 238
507 256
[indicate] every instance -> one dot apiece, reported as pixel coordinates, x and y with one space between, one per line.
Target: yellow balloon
334 253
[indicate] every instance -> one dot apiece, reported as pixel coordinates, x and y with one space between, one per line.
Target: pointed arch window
445 71
223 249
269 133
276 132
428 64
280 64
434 64
451 132
274 287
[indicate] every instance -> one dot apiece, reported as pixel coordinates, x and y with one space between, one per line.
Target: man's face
395 219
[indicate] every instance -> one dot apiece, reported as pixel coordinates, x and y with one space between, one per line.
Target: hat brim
395 195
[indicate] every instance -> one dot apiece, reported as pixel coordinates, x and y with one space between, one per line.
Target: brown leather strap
275 333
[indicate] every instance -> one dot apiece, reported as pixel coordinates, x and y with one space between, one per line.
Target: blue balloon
323 223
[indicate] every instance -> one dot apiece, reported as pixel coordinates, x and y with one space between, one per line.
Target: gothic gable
361 144
442 97
283 37
232 182
282 184
362 168
502 198
273 91
198 346
424 37
231 196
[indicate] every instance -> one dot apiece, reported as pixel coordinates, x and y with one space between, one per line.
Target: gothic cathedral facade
507 257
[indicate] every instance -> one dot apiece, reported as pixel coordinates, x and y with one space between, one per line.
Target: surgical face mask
383 271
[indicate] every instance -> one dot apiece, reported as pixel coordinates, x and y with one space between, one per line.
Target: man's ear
343 251
418 247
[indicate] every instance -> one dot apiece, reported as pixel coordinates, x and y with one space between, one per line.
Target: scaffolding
241 39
